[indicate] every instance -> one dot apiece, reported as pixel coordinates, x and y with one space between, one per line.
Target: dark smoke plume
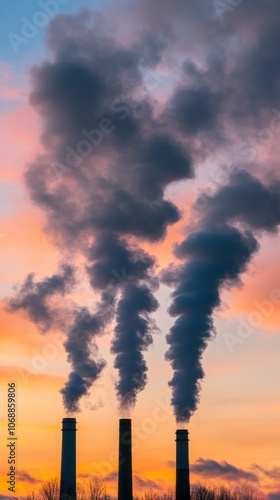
214 255
33 297
82 351
101 182
133 335
78 324
110 152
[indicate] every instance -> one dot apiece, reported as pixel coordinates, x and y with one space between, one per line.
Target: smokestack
182 465
68 460
125 460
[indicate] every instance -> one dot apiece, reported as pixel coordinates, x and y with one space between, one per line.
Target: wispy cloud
22 475
148 484
223 470
171 464
112 476
273 473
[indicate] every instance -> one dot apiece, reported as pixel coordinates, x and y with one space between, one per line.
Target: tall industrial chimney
125 460
68 460
182 465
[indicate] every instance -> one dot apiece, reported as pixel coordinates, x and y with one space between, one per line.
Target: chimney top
125 422
182 435
69 424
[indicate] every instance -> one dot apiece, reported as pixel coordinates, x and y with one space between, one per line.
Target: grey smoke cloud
225 81
114 198
133 336
214 254
32 297
82 350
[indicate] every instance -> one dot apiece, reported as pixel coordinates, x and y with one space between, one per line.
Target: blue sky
11 21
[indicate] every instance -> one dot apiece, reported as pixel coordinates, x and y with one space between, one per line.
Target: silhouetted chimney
68 460
125 460
182 465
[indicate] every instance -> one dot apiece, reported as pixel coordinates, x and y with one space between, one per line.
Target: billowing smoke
101 183
215 253
133 335
82 350
111 150
33 298
134 326
46 304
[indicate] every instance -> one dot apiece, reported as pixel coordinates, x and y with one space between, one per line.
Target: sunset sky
201 82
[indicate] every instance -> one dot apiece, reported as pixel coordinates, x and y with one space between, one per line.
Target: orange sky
238 416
